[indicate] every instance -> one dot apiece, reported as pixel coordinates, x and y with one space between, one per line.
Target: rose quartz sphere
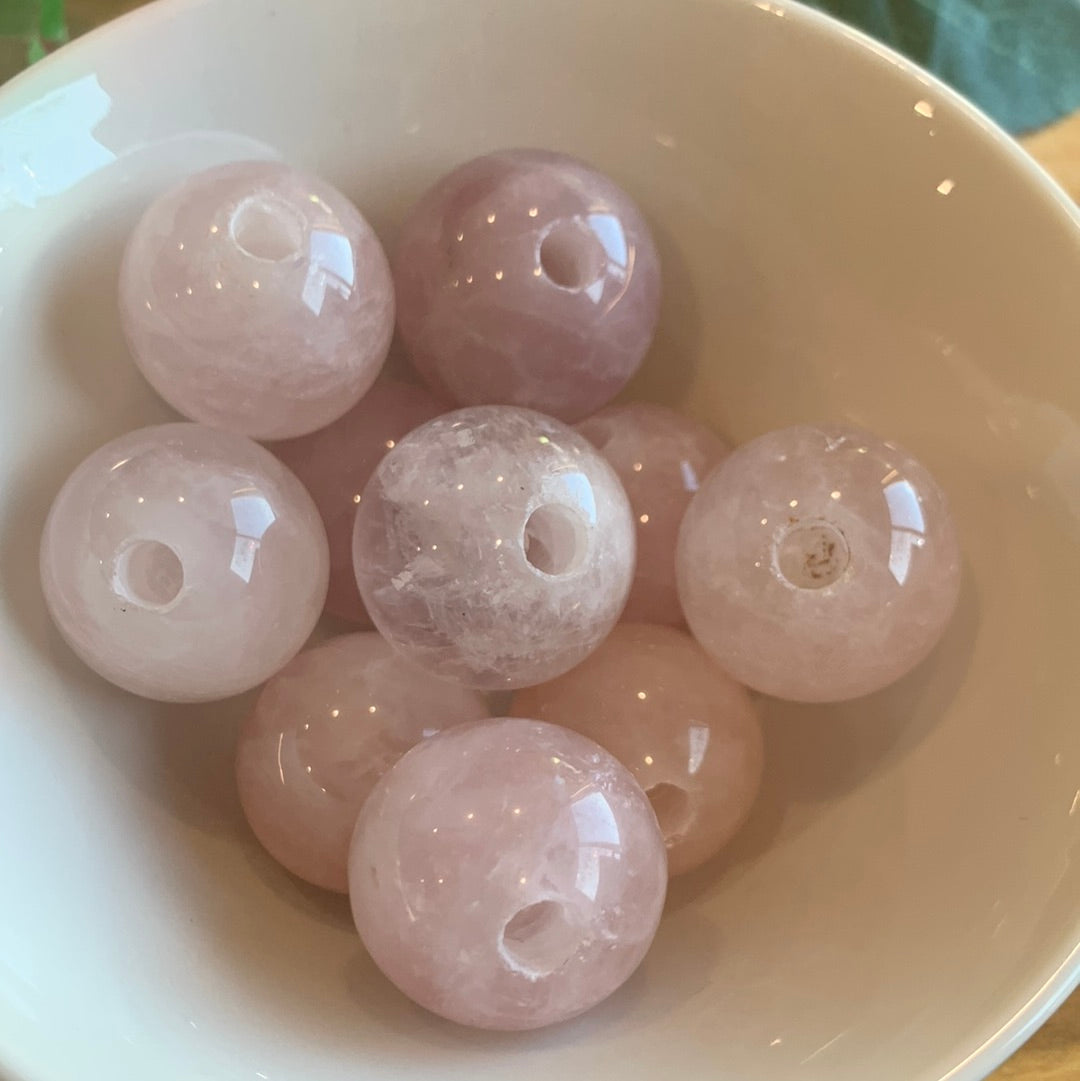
507 874
686 731
661 458
527 278
184 563
818 563
335 464
494 546
256 298
323 731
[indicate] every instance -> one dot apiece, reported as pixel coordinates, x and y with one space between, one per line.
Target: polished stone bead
507 874
528 278
818 563
495 546
322 733
661 458
685 729
257 298
184 563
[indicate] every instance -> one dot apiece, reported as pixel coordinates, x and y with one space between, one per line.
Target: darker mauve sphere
527 278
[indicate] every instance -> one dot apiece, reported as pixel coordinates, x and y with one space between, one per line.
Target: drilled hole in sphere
149 574
673 810
813 555
571 256
266 228
539 939
555 539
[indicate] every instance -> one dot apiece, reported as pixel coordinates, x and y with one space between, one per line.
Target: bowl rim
825 25
1065 978
817 21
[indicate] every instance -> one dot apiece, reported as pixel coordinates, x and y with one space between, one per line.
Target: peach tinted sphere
818 563
661 458
495 546
507 874
184 563
323 731
256 298
685 729
336 462
528 278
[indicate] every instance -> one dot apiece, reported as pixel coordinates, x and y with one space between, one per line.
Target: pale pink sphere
336 462
256 298
184 563
507 874
495 546
818 563
527 278
661 458
685 729
323 731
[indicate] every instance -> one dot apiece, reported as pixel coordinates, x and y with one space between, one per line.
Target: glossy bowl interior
842 239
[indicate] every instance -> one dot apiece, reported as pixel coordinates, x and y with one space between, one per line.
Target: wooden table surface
1053 1054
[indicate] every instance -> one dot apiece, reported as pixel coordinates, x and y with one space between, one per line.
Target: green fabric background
1018 60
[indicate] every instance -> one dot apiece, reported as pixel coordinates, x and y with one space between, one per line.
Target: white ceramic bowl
842 238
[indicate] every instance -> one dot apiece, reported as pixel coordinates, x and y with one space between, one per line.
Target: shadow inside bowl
667 372
815 753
